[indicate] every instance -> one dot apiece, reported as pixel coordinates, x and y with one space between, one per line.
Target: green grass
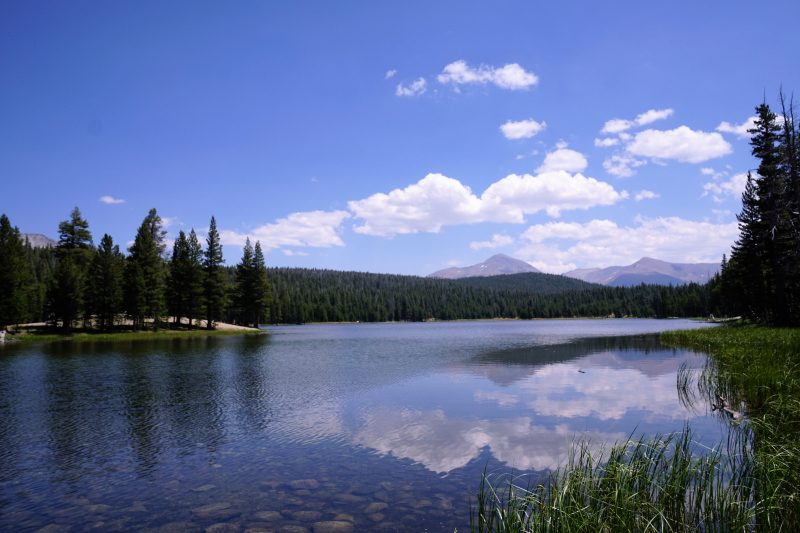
46 335
672 483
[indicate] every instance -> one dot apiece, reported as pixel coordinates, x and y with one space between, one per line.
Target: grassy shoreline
669 483
29 335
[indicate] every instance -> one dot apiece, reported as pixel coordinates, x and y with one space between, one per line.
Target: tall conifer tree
215 289
66 291
195 278
104 283
15 277
177 288
262 295
245 285
147 252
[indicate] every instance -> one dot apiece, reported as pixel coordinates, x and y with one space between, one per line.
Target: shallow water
376 427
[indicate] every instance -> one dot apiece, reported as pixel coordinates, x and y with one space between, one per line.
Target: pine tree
262 295
67 284
177 289
215 286
134 293
244 292
147 252
15 279
195 278
104 282
771 205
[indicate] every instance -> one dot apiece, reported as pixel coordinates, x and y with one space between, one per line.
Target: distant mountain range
495 265
38 240
647 270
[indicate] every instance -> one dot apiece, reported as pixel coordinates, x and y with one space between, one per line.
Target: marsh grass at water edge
671 482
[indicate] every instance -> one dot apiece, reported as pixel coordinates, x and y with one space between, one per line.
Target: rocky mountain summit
38 240
494 266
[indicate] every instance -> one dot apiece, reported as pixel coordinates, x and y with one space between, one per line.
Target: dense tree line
531 282
308 295
100 286
761 281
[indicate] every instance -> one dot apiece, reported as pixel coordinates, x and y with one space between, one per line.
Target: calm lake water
317 428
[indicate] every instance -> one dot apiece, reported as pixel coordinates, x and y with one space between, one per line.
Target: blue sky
397 137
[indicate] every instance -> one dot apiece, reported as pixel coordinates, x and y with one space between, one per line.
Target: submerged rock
334 526
377 517
211 507
306 516
292 529
349 498
268 516
375 507
204 488
304 484
222 528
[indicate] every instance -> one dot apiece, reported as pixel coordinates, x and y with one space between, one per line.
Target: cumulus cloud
563 159
390 74
317 229
415 89
605 143
437 200
497 241
682 144
733 187
511 76
622 166
523 129
603 243
618 125
111 200
646 195
739 129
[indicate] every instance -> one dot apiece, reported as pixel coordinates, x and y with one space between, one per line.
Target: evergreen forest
99 287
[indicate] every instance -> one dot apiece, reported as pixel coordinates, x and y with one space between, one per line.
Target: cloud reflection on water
443 444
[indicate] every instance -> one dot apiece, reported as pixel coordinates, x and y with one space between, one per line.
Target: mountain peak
647 270
494 266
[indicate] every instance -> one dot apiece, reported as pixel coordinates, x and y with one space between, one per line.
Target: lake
330 428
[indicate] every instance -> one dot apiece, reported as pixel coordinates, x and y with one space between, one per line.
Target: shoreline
40 332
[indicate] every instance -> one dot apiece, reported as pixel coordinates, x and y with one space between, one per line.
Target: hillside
38 240
647 270
310 295
531 282
494 266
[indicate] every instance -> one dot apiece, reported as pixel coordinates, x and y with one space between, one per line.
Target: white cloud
721 214
292 252
733 187
605 143
646 195
563 159
622 166
503 399
602 243
618 125
523 129
707 171
511 76
651 116
170 221
390 74
437 200
111 200
497 241
415 89
682 144
453 263
739 129
318 229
